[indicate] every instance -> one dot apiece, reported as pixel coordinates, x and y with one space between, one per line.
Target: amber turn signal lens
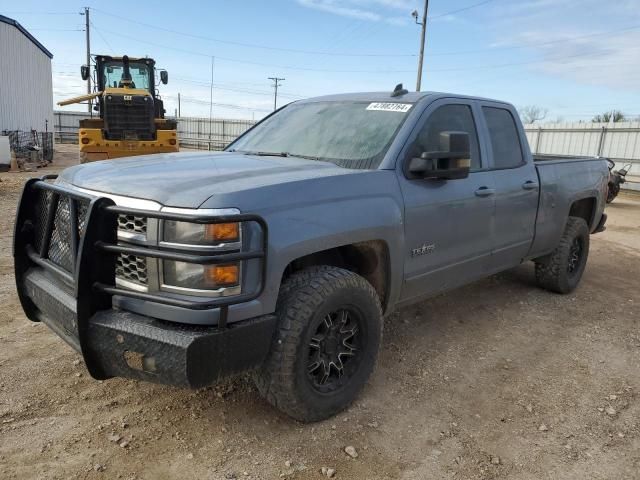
172 141
85 140
216 232
222 275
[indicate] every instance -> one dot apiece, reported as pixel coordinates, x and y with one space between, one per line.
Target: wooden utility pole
211 102
276 84
88 35
422 37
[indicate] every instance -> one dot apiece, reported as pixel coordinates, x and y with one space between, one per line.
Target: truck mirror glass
451 162
164 77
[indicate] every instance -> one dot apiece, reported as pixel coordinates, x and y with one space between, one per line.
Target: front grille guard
94 248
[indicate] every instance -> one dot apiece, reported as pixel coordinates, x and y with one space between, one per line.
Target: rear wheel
613 192
562 269
325 348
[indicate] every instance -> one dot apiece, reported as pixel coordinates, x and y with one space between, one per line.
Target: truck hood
187 179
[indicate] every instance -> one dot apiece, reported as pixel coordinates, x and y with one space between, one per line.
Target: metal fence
25 143
618 141
216 134
193 132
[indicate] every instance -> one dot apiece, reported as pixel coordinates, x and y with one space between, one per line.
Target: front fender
308 229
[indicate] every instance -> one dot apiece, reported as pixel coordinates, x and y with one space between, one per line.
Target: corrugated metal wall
618 141
193 132
200 133
26 92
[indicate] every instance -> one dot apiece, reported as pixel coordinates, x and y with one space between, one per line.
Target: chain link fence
31 144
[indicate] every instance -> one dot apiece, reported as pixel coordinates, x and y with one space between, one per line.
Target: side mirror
84 72
451 162
164 77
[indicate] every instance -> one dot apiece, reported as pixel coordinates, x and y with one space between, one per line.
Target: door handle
530 185
485 192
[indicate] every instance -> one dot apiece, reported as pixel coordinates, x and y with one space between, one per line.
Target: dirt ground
495 380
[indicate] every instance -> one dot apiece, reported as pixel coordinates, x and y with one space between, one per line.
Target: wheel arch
370 259
586 209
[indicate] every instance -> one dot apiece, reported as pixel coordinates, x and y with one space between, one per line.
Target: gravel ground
496 380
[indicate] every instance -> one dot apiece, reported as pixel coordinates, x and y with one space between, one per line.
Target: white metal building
26 92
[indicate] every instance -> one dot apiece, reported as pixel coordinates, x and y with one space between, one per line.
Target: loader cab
130 73
113 74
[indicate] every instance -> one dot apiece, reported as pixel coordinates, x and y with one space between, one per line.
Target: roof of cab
410 97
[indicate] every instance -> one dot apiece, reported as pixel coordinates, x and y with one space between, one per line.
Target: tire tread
300 295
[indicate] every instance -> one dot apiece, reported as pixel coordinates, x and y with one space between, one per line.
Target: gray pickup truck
282 254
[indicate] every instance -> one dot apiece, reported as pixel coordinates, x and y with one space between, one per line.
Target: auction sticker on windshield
389 107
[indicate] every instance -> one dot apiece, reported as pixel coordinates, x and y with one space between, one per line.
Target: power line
231 106
233 88
40 13
103 38
311 69
537 44
247 62
463 9
253 45
56 29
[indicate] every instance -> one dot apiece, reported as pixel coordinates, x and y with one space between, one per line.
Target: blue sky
573 57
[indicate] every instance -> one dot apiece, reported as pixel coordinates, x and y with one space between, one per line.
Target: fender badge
423 250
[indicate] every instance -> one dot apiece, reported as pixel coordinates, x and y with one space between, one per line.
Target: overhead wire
458 10
388 71
102 37
252 45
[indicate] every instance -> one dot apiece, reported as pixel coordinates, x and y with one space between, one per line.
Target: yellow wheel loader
131 120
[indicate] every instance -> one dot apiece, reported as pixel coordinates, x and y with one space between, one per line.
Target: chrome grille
132 268
132 224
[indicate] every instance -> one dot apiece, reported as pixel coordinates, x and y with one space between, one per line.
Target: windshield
351 135
140 74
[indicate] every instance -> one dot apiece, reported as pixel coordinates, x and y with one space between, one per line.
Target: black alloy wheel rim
335 350
575 256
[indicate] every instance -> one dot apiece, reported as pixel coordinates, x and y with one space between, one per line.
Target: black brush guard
69 286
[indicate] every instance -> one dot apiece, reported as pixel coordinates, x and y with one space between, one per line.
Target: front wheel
326 344
562 269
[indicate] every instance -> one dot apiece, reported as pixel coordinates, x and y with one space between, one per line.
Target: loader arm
79 99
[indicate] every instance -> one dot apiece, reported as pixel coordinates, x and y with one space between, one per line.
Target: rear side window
505 140
448 118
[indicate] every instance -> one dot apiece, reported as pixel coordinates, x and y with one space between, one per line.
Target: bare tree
532 113
606 117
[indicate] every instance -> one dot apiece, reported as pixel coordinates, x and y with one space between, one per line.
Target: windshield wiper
277 154
264 154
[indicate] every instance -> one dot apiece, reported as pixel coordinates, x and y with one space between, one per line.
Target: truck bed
564 180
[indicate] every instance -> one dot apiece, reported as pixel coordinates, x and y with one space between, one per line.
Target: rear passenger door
516 185
448 223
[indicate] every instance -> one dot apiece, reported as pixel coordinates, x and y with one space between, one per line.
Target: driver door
448 223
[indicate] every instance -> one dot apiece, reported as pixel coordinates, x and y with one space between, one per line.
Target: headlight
200 234
201 277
